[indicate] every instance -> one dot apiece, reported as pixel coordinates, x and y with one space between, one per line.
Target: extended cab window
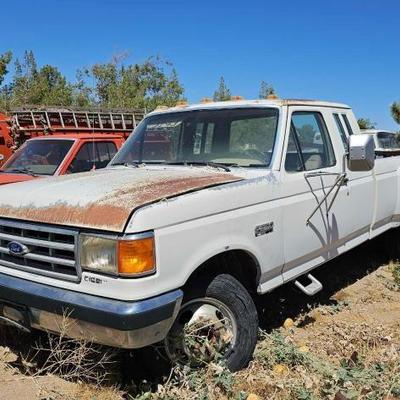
341 130
348 126
94 155
309 146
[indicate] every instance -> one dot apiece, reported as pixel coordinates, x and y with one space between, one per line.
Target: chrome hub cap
205 330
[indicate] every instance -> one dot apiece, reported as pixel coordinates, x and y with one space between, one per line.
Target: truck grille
49 251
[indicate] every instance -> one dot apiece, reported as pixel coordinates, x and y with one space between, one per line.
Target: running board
314 287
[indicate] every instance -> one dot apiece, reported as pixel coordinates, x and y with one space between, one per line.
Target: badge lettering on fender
92 279
264 229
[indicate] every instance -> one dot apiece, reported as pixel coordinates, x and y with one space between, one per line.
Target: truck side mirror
361 155
1 157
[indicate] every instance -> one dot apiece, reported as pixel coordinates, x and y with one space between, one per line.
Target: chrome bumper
116 323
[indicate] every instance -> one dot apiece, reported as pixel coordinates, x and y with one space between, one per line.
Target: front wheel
218 322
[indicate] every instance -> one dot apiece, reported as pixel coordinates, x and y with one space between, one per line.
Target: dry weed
71 359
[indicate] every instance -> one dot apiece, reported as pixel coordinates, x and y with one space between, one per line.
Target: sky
342 50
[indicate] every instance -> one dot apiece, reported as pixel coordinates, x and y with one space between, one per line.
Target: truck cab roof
242 103
79 136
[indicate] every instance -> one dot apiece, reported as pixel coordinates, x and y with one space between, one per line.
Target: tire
222 305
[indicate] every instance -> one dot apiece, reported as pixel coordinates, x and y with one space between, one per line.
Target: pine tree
395 110
266 90
222 93
365 123
4 61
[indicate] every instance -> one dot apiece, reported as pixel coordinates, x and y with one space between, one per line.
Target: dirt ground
343 343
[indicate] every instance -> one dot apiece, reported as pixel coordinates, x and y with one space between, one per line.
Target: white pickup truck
386 143
172 241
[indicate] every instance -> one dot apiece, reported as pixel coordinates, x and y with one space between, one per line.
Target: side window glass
112 149
313 140
105 156
91 155
348 126
293 161
341 130
84 159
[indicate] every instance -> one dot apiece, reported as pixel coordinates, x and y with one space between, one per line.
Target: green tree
112 85
38 86
395 110
147 85
4 61
82 94
222 93
266 90
365 123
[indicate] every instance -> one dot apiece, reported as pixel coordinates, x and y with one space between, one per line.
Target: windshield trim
168 114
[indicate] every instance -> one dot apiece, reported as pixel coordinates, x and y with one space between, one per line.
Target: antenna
93 141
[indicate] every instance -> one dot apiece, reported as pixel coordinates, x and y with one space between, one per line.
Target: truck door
91 155
311 164
386 193
376 195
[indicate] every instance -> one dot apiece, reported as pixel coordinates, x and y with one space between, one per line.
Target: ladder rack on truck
37 122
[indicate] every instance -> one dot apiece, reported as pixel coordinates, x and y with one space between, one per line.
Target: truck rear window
39 157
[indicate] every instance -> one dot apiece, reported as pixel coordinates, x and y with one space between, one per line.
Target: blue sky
342 50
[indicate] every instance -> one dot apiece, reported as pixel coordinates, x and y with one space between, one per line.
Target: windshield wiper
257 165
127 164
21 171
206 163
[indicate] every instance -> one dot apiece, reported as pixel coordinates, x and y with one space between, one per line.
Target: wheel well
238 263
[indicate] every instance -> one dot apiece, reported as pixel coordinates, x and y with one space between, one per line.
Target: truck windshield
387 140
233 137
39 157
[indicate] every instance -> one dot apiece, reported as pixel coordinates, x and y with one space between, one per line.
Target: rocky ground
342 344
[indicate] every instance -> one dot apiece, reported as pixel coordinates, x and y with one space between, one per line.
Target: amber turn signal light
136 257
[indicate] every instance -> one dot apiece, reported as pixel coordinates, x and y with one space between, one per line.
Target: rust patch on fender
112 211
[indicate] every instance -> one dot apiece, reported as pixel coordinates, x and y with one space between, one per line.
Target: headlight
119 256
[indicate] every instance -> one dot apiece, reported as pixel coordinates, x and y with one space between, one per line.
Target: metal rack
36 121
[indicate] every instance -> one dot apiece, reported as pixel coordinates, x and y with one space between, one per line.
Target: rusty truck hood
103 199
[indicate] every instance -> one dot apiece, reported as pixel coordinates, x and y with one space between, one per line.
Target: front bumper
116 323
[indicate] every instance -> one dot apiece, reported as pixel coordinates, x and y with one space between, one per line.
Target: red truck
58 142
6 141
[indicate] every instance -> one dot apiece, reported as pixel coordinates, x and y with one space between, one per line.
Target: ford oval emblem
17 249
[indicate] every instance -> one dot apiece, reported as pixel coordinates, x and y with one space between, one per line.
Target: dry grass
71 359
396 274
349 349
58 367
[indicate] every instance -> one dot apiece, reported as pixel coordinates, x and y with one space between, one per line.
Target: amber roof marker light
237 98
181 103
161 108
